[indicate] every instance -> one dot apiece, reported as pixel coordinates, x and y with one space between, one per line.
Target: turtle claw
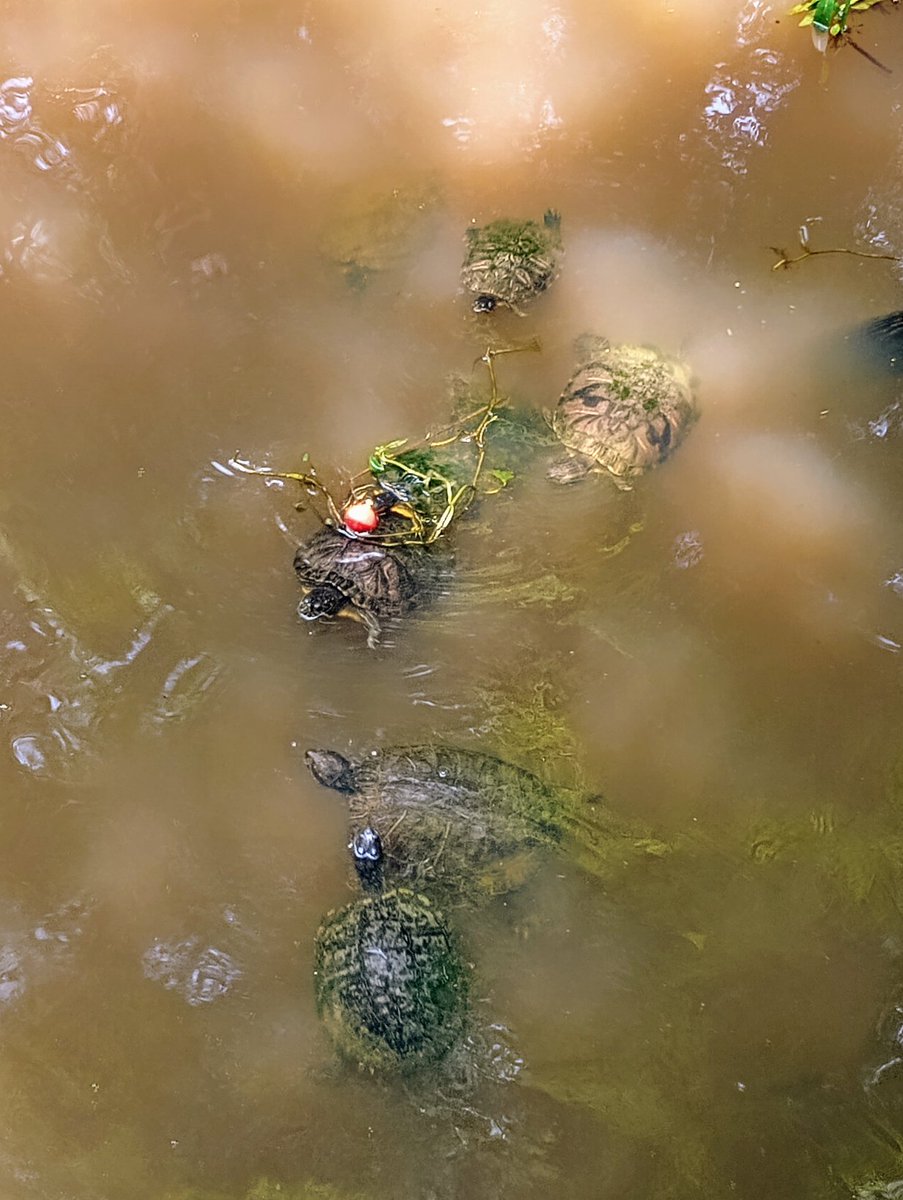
373 628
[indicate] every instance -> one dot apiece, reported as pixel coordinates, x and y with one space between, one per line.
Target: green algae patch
527 724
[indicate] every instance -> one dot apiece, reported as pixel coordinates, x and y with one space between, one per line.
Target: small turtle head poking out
332 770
321 601
367 850
485 303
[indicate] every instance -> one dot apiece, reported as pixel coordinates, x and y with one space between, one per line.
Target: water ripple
201 974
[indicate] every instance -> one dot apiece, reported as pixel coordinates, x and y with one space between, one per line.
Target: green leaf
807 20
503 477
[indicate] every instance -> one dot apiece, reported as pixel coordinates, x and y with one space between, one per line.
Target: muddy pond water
231 233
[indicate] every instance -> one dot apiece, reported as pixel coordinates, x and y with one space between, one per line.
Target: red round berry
361 516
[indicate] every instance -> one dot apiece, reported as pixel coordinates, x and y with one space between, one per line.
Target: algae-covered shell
623 411
466 822
509 262
391 985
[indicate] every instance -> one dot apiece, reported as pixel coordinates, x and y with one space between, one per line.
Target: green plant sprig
455 496
827 20
830 16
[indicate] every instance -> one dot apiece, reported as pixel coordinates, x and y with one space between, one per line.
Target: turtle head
570 468
331 770
367 851
485 303
324 600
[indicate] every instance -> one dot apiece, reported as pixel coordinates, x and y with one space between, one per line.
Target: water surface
190 280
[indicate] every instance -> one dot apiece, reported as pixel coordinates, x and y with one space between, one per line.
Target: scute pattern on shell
391 986
626 409
512 261
385 580
465 822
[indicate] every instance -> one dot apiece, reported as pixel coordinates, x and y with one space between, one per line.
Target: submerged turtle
469 823
466 820
363 579
510 262
374 231
882 341
391 985
623 411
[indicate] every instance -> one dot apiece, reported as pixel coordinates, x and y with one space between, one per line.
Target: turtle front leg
570 468
373 627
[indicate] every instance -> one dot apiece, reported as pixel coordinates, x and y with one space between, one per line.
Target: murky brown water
186 277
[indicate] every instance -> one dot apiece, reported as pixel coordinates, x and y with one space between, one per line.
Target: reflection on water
232 237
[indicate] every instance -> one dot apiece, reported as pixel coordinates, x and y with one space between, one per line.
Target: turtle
461 821
623 411
391 984
509 262
881 340
378 230
365 579
470 826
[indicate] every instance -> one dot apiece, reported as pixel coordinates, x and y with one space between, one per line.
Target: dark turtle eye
484 303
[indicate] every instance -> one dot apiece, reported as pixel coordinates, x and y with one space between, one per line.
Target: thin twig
785 261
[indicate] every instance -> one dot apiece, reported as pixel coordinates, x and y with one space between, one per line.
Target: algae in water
526 724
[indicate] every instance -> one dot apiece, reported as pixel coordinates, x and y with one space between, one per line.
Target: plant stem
785 261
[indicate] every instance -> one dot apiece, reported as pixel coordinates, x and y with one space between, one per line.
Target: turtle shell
391 985
509 262
625 409
384 580
373 231
466 822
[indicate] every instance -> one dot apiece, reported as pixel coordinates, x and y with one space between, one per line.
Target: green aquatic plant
426 490
547 590
829 23
878 1189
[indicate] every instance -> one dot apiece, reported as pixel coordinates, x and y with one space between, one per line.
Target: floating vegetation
828 22
427 484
